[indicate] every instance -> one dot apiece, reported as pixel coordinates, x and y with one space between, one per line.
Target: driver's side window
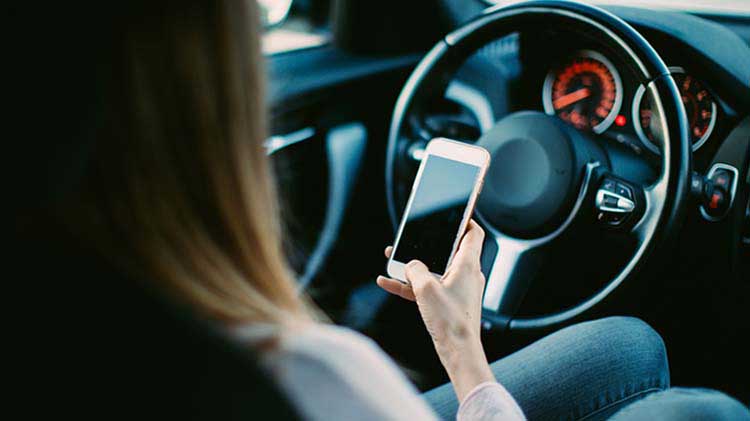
294 24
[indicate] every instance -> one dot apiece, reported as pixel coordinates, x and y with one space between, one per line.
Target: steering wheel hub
534 177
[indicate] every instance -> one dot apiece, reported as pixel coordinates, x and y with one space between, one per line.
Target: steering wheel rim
664 200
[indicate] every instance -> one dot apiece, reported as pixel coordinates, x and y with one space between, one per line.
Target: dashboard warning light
621 121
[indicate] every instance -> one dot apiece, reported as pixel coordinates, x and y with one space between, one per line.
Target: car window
294 24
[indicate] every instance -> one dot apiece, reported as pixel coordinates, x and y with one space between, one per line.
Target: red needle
570 98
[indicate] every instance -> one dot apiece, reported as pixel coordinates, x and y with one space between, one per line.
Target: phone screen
436 211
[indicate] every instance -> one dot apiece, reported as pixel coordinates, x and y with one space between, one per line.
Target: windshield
710 6
725 6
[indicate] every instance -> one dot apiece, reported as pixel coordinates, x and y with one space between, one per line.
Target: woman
177 189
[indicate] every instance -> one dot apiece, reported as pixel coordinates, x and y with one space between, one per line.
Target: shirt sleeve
334 374
489 401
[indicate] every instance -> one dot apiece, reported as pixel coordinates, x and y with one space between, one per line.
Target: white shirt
333 373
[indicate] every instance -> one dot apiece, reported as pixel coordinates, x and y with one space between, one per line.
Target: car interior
631 196
334 109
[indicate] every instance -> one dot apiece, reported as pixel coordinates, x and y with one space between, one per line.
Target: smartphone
440 205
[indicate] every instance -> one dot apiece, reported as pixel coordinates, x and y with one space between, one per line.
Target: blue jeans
591 371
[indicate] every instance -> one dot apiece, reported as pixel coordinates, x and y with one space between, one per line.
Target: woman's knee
707 404
586 369
626 344
685 404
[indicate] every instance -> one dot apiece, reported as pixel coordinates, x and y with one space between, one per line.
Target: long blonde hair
179 190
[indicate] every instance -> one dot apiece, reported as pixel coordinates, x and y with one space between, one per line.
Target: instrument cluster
587 91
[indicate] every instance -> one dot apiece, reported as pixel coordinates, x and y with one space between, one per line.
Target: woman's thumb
422 281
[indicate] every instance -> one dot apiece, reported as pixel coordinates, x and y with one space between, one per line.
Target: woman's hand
451 310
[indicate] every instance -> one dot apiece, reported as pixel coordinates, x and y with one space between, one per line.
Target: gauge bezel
549 80
636 116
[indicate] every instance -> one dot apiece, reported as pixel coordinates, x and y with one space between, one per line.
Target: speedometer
585 91
700 108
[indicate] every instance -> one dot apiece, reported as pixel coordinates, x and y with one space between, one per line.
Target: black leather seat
105 347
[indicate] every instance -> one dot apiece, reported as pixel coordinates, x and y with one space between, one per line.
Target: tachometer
699 107
585 91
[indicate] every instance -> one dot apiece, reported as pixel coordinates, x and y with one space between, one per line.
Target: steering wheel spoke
513 268
653 205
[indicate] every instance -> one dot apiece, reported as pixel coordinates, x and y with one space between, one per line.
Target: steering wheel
564 180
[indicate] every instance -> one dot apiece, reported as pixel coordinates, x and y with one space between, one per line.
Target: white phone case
456 151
